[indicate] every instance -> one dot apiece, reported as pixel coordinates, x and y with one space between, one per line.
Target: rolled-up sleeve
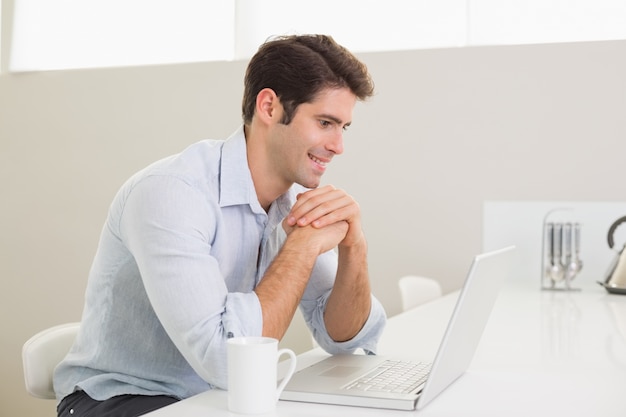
366 339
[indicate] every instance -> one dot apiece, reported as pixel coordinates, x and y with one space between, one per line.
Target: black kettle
615 281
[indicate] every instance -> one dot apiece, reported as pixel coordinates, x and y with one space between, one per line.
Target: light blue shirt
183 247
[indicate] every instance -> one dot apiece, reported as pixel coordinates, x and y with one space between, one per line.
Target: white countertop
542 354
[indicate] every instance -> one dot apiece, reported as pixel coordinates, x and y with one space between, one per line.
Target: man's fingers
323 209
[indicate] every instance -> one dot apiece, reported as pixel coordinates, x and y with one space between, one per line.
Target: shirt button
230 335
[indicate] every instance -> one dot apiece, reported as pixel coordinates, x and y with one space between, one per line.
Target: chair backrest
416 290
41 354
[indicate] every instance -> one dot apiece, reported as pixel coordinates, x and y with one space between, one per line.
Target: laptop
352 379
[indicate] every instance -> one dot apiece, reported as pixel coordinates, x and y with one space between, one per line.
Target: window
2 40
509 22
63 34
360 25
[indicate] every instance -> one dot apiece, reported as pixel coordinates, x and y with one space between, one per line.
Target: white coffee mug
252 374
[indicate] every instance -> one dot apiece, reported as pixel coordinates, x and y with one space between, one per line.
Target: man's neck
266 184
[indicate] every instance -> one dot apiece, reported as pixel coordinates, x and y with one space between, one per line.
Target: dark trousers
79 404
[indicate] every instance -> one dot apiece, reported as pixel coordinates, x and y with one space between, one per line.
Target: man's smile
319 161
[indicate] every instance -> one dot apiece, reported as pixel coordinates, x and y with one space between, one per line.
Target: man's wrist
355 247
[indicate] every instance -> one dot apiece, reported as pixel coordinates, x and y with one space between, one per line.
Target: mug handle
292 368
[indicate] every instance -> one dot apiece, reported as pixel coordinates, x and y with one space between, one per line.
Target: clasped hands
326 216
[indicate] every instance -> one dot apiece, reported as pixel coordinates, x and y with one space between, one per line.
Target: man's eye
324 123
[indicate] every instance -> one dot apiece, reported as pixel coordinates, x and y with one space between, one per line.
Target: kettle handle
612 230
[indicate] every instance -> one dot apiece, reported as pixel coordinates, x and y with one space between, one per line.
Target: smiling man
228 238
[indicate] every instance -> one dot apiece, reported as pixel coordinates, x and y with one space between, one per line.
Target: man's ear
268 105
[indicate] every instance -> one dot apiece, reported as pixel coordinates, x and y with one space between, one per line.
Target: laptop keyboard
393 376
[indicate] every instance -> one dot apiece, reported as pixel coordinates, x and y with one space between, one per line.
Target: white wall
447 130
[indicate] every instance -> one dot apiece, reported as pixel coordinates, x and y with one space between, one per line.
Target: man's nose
335 145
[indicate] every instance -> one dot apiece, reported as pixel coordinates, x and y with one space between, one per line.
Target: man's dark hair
298 67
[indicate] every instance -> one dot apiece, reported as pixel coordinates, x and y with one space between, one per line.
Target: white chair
41 354
416 290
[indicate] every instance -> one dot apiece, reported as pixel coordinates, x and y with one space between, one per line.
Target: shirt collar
236 185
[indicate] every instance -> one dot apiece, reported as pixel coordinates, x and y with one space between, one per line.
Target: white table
542 354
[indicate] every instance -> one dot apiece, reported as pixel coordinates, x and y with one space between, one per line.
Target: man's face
300 151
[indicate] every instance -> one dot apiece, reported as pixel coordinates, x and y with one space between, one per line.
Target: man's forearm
349 303
281 288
